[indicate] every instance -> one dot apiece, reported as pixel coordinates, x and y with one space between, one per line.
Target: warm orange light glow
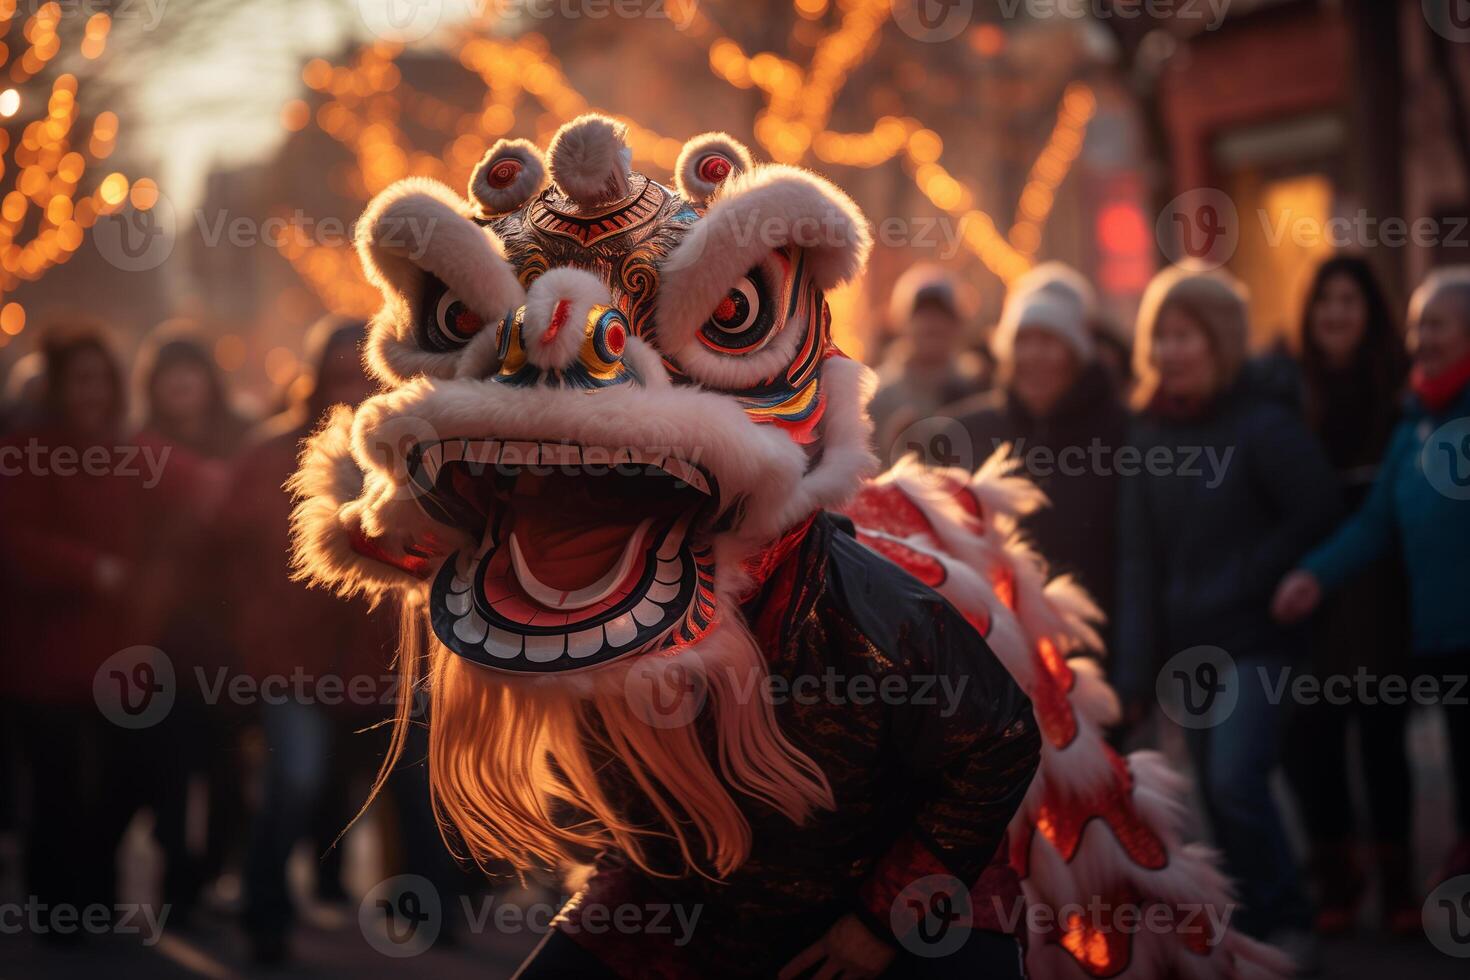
295 115
229 352
12 319
280 365
144 193
113 189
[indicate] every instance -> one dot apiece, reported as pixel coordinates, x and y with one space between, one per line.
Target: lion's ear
508 176
444 279
706 162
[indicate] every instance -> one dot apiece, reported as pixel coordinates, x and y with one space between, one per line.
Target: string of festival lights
364 102
45 213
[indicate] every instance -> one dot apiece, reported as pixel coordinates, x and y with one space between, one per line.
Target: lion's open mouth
586 554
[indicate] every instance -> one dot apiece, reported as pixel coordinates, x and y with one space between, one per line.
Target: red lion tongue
568 545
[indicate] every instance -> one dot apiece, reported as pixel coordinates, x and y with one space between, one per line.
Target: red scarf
1439 392
1176 408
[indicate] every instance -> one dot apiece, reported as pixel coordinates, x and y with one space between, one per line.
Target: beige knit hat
1053 297
1213 298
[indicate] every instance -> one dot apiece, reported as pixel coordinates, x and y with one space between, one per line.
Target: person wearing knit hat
1215 304
1052 297
1227 491
1054 403
930 363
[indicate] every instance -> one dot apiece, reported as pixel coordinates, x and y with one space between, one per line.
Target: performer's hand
847 952
1296 597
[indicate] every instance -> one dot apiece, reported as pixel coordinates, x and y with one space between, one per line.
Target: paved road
332 943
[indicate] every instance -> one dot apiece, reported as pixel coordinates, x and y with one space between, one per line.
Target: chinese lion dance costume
673 626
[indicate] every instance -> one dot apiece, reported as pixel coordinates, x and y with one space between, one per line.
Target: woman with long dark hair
186 411
1353 367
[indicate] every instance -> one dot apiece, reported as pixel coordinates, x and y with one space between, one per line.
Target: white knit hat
1052 297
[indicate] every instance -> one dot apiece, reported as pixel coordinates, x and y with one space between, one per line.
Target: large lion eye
446 324
742 322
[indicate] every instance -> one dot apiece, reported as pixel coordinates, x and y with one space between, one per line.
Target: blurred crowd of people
149 522
1277 508
1300 510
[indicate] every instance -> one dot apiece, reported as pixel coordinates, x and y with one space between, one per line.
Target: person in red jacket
78 503
186 409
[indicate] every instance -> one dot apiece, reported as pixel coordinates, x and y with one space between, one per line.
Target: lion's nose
568 333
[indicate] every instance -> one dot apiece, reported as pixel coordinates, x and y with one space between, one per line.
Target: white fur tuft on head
590 160
706 162
509 175
556 315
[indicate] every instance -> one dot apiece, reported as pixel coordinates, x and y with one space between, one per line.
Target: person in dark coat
1059 411
1419 509
1352 369
1232 489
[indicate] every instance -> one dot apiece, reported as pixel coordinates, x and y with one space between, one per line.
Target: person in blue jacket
1420 505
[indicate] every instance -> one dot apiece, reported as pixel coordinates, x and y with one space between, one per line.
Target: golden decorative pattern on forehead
651 220
557 216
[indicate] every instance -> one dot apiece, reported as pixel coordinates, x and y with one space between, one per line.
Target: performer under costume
619 479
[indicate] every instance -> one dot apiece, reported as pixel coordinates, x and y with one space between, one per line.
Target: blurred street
331 942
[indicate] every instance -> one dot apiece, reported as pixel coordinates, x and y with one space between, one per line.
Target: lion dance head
603 400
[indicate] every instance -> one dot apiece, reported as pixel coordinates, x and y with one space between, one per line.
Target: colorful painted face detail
599 362
572 572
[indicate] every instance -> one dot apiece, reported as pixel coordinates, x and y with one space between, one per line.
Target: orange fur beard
517 765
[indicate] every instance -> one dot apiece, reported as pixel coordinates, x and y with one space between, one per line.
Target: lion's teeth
621 631
648 613
585 643
471 629
502 644
663 591
544 649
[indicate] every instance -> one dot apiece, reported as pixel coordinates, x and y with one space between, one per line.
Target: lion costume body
619 481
